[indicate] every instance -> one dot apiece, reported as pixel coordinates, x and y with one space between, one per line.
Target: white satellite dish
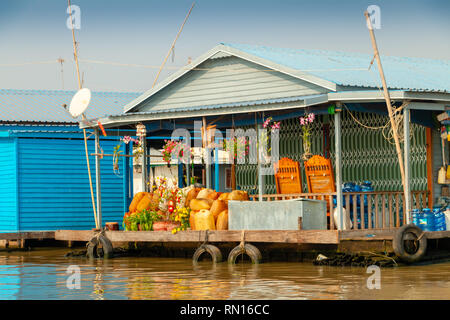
80 102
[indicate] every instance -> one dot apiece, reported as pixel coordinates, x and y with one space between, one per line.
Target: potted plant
305 123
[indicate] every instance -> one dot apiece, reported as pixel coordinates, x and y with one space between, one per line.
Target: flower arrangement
305 123
137 147
275 125
238 145
174 147
182 215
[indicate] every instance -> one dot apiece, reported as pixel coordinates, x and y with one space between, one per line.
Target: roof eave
131 118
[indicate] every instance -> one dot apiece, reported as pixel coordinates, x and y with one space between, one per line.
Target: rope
388 136
242 243
97 235
206 238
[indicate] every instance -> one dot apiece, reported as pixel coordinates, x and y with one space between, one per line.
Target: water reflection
42 275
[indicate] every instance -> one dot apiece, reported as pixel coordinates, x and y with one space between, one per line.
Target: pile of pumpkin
209 209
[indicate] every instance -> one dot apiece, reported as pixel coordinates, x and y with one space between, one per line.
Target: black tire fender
398 243
248 249
93 244
212 250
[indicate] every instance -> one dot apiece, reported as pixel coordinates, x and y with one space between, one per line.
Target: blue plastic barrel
416 216
427 220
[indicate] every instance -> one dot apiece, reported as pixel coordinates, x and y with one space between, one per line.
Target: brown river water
42 274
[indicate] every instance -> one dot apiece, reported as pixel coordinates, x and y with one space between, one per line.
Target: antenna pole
84 118
173 45
389 108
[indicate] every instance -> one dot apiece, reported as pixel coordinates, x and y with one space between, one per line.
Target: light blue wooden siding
54 185
228 80
8 185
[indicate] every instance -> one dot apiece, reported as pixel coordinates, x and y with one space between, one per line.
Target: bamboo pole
84 118
173 45
388 104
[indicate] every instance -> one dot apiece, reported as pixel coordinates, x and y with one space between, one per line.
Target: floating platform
275 241
264 236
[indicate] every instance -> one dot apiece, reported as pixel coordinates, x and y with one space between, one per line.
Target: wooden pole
388 102
407 150
84 118
173 45
98 180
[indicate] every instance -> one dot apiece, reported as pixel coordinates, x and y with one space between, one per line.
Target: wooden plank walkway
262 236
27 235
268 236
384 234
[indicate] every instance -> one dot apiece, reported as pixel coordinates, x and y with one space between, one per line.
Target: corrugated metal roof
351 69
46 105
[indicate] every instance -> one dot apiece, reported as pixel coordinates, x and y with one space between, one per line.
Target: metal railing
366 210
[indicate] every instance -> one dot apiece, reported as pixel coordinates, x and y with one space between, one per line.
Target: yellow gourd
199 204
137 197
222 220
217 207
145 202
192 219
204 220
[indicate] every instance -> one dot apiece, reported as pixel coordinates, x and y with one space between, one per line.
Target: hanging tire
248 249
213 251
99 247
409 251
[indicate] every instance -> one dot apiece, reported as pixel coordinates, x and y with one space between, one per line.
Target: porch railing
366 210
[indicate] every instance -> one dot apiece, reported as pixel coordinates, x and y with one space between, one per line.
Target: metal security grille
366 154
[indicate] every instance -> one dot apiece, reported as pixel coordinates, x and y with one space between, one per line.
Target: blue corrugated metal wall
54 185
8 185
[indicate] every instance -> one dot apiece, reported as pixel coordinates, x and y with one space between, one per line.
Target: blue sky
141 32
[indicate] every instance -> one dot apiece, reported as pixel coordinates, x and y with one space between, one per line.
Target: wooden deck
262 236
268 236
256 236
27 235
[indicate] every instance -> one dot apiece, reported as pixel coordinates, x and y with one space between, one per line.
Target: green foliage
144 219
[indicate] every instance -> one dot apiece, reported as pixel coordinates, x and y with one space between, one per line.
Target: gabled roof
46 105
332 70
352 69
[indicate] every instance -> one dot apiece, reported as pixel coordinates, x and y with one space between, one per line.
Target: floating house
43 169
240 86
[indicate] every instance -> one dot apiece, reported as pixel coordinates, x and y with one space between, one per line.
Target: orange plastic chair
320 177
288 178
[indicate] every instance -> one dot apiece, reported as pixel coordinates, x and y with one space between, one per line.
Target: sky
33 35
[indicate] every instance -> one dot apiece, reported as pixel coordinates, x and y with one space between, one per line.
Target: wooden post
144 165
98 180
388 101
407 150
338 168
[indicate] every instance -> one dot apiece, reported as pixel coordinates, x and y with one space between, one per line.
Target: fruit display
174 209
205 212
